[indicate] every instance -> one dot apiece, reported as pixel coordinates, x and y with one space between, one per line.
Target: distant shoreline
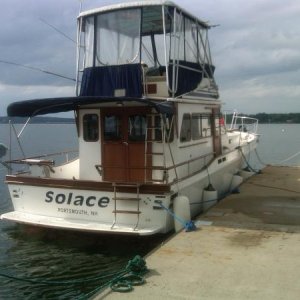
272 118
263 118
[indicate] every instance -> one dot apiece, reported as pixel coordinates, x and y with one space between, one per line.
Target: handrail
21 161
189 161
159 167
240 123
166 169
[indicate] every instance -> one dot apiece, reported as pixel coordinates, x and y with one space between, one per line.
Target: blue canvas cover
104 80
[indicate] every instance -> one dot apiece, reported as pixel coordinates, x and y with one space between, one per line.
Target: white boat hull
93 210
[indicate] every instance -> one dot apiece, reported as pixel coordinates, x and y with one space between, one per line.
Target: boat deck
246 247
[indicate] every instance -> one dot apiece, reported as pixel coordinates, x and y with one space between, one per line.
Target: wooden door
123 144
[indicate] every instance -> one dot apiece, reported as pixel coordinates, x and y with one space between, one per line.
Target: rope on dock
120 281
274 187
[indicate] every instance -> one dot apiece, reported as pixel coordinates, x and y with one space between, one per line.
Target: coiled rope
120 281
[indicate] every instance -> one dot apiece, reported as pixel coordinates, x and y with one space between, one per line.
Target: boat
153 143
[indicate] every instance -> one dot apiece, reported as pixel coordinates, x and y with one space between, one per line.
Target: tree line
292 118
277 118
267 118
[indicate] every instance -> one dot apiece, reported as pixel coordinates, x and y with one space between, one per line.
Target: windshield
118 37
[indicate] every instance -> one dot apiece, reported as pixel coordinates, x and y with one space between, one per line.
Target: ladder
116 198
155 134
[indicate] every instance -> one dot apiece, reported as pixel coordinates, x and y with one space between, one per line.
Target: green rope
121 281
132 275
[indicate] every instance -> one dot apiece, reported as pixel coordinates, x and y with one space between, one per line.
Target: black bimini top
31 108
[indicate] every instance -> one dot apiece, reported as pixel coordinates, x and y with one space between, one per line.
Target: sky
255 48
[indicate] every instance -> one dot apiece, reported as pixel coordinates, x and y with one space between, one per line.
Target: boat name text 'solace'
76 200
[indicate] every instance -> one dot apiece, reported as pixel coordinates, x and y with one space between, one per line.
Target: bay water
30 252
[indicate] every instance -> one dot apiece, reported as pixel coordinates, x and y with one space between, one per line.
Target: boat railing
182 170
188 165
242 123
51 159
58 158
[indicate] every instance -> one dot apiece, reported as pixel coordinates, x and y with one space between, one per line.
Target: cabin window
169 129
90 127
206 126
185 132
112 128
196 127
137 128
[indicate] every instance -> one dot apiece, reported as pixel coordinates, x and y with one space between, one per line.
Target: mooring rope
247 162
120 281
274 187
289 158
259 159
276 164
188 225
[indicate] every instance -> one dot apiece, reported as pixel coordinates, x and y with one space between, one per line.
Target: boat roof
31 108
144 3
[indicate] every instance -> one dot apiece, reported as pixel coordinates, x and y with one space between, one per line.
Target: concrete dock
246 247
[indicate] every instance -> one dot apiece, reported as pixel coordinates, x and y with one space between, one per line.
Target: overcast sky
256 50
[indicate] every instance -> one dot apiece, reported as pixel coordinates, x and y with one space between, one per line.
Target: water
53 254
278 142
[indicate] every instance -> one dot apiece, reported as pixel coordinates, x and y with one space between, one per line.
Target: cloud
26 40
255 49
256 54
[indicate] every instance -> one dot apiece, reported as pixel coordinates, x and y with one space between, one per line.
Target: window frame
185 128
90 128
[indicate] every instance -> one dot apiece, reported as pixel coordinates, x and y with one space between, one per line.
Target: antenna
35 69
41 70
80 6
57 30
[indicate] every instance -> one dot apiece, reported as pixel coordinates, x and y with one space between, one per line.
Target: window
88 29
118 37
190 43
169 129
196 127
206 125
136 128
185 132
112 128
90 128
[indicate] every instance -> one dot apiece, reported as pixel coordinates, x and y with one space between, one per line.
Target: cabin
157 114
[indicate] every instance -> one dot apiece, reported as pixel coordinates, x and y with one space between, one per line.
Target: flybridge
143 50
140 4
